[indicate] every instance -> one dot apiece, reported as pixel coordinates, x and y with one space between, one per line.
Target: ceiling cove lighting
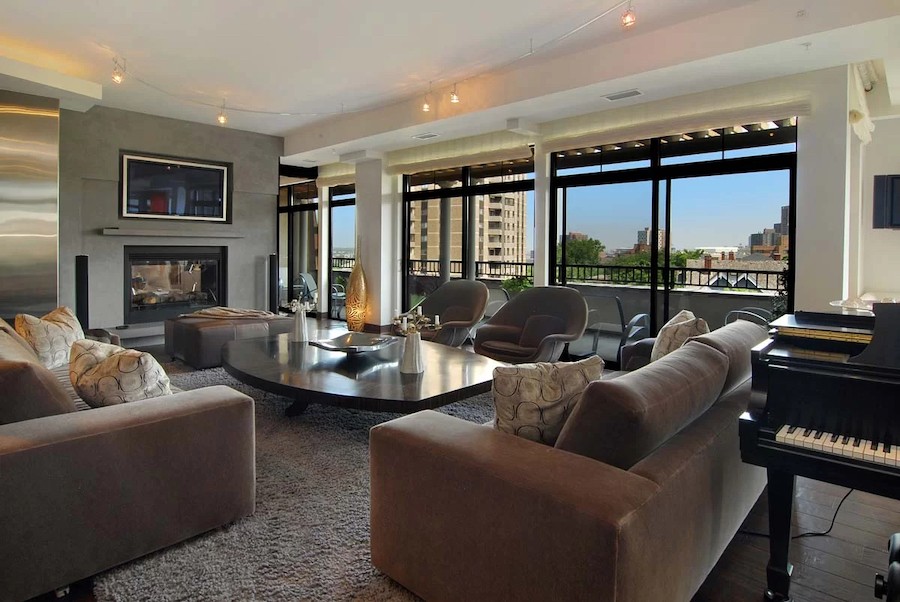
628 17
454 97
118 73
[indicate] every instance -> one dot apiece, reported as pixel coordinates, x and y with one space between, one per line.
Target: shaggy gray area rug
309 537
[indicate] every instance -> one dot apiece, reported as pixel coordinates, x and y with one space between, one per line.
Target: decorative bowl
355 342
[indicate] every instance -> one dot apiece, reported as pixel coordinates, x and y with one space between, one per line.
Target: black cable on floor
808 533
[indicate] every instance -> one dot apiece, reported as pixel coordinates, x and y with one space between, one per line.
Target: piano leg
781 506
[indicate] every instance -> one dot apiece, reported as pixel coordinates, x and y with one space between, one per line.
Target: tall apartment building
644 237
500 222
774 240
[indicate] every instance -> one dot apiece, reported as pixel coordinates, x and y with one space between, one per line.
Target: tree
679 259
582 251
640 259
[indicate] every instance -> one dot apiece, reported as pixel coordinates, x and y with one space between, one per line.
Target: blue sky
706 212
716 211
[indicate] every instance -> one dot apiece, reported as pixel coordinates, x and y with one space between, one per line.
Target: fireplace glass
166 284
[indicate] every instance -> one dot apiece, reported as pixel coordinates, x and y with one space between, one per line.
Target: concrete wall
88 202
879 248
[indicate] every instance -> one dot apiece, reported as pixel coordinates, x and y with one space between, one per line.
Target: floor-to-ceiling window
342 204
698 220
472 222
298 242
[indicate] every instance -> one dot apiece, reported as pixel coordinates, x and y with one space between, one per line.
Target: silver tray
356 342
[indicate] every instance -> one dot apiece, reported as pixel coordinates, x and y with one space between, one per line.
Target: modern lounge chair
460 305
534 326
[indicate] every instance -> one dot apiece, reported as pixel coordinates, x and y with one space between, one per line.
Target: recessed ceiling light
426 136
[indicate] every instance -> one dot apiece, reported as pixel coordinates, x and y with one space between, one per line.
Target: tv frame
125 157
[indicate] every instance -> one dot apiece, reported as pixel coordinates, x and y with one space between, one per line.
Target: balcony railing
678 277
342 264
768 281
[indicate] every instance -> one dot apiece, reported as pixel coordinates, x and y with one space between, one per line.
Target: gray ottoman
198 341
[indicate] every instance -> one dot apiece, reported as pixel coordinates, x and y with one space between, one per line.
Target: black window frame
656 174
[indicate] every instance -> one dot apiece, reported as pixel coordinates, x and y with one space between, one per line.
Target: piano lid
884 349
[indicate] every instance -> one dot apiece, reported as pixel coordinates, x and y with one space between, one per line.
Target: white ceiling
338 64
299 56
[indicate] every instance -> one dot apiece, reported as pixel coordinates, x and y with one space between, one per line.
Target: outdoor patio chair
308 287
607 332
757 315
338 301
534 326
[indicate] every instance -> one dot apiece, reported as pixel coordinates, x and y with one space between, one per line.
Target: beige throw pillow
51 336
676 332
105 374
533 401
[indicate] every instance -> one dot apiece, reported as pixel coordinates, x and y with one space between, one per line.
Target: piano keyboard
839 445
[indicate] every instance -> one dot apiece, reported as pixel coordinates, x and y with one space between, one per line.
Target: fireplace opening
165 282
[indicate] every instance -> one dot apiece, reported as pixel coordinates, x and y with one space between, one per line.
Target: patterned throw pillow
533 401
676 332
105 374
52 335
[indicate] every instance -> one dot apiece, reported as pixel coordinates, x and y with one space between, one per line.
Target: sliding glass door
700 221
343 246
298 243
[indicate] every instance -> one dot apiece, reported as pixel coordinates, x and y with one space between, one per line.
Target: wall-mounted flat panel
29 190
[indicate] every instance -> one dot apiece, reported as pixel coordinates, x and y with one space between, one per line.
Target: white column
854 219
543 204
324 260
378 232
823 160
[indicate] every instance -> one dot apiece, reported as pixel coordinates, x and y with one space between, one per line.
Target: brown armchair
534 326
460 304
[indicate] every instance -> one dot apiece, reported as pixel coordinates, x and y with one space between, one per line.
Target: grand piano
824 405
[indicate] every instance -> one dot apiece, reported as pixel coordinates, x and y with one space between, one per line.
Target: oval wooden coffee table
365 381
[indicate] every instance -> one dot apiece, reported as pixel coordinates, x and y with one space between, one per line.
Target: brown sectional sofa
642 511
84 491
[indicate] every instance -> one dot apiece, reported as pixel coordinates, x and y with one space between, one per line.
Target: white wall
879 248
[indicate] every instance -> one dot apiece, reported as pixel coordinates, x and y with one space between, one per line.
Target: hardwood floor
837 567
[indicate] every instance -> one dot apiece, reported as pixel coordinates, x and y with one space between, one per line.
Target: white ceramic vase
300 332
412 362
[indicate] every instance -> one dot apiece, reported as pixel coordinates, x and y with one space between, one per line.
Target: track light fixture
118 74
222 117
628 17
454 97
425 106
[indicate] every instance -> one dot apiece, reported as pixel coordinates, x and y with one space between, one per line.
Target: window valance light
336 174
473 150
599 128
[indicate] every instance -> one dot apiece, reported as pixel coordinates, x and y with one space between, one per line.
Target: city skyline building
774 241
644 237
500 227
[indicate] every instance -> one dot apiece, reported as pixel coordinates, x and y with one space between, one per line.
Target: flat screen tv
178 189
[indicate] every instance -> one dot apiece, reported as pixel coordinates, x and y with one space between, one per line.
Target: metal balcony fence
768 281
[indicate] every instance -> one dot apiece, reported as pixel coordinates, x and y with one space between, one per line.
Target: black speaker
273 283
81 290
